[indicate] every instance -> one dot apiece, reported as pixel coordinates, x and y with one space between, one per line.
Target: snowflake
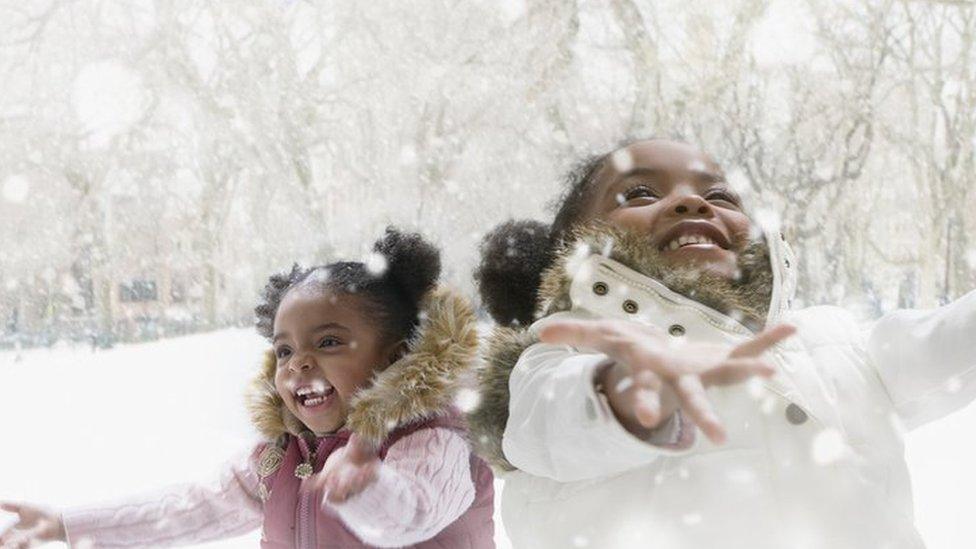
622 161
15 189
741 476
738 181
580 541
624 384
754 386
408 156
768 220
467 400
375 263
828 447
953 384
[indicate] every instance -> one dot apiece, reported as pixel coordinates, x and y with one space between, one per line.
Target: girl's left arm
927 359
423 485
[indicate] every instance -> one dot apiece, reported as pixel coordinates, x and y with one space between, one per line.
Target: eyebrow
705 175
319 328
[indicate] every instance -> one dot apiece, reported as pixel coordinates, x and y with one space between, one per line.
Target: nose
692 205
301 363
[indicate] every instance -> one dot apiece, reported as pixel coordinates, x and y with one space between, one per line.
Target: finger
763 341
10 507
647 407
595 334
695 402
736 370
645 378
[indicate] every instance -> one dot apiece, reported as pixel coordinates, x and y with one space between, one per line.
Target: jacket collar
418 385
764 292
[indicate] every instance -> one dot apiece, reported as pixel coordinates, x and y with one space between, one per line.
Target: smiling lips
310 396
693 235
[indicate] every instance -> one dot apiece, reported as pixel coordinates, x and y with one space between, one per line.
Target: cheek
739 226
635 218
350 377
281 385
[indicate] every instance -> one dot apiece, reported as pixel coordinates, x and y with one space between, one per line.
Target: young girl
362 446
651 284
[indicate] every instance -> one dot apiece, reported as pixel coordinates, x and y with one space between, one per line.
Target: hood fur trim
420 384
487 421
747 298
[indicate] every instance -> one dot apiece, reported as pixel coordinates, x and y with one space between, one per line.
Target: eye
329 341
638 192
722 196
282 352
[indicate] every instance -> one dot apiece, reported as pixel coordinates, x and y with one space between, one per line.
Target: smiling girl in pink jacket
361 444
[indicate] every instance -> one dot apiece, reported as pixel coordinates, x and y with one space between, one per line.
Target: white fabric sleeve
423 485
927 359
180 515
560 428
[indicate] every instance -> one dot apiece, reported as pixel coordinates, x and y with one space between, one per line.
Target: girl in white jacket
651 285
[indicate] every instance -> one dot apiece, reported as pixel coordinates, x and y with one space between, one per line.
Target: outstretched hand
656 366
35 526
351 471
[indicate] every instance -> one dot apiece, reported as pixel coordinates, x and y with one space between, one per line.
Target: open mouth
689 240
314 395
693 235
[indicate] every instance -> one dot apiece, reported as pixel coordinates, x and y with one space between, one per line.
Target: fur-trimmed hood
763 292
420 384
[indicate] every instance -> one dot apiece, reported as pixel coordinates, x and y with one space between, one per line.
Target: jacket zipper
303 532
304 495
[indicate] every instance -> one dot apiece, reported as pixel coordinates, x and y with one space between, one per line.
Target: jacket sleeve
180 515
423 485
927 359
560 428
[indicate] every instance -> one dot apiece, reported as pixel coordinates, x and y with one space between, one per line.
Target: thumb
10 507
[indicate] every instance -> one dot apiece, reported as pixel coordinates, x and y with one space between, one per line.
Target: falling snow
15 189
828 446
376 263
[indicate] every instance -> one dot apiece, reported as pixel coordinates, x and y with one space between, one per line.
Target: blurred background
158 160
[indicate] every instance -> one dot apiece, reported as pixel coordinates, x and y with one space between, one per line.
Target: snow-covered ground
79 426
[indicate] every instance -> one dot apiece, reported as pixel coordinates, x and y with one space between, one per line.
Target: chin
724 267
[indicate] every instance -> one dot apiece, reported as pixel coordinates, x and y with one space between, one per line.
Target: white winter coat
814 457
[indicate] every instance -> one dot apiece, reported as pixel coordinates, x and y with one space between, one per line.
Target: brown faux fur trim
420 384
747 298
487 421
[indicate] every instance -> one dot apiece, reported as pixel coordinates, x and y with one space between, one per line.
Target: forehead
313 304
659 155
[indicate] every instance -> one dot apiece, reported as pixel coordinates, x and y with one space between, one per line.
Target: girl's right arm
180 515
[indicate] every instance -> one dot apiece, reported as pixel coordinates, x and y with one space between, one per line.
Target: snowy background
158 159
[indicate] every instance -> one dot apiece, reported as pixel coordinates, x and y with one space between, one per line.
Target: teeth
317 388
688 239
314 401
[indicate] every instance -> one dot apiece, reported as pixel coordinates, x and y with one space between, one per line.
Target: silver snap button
677 330
630 306
600 288
795 414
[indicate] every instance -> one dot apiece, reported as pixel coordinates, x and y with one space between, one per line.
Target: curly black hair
515 253
390 293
